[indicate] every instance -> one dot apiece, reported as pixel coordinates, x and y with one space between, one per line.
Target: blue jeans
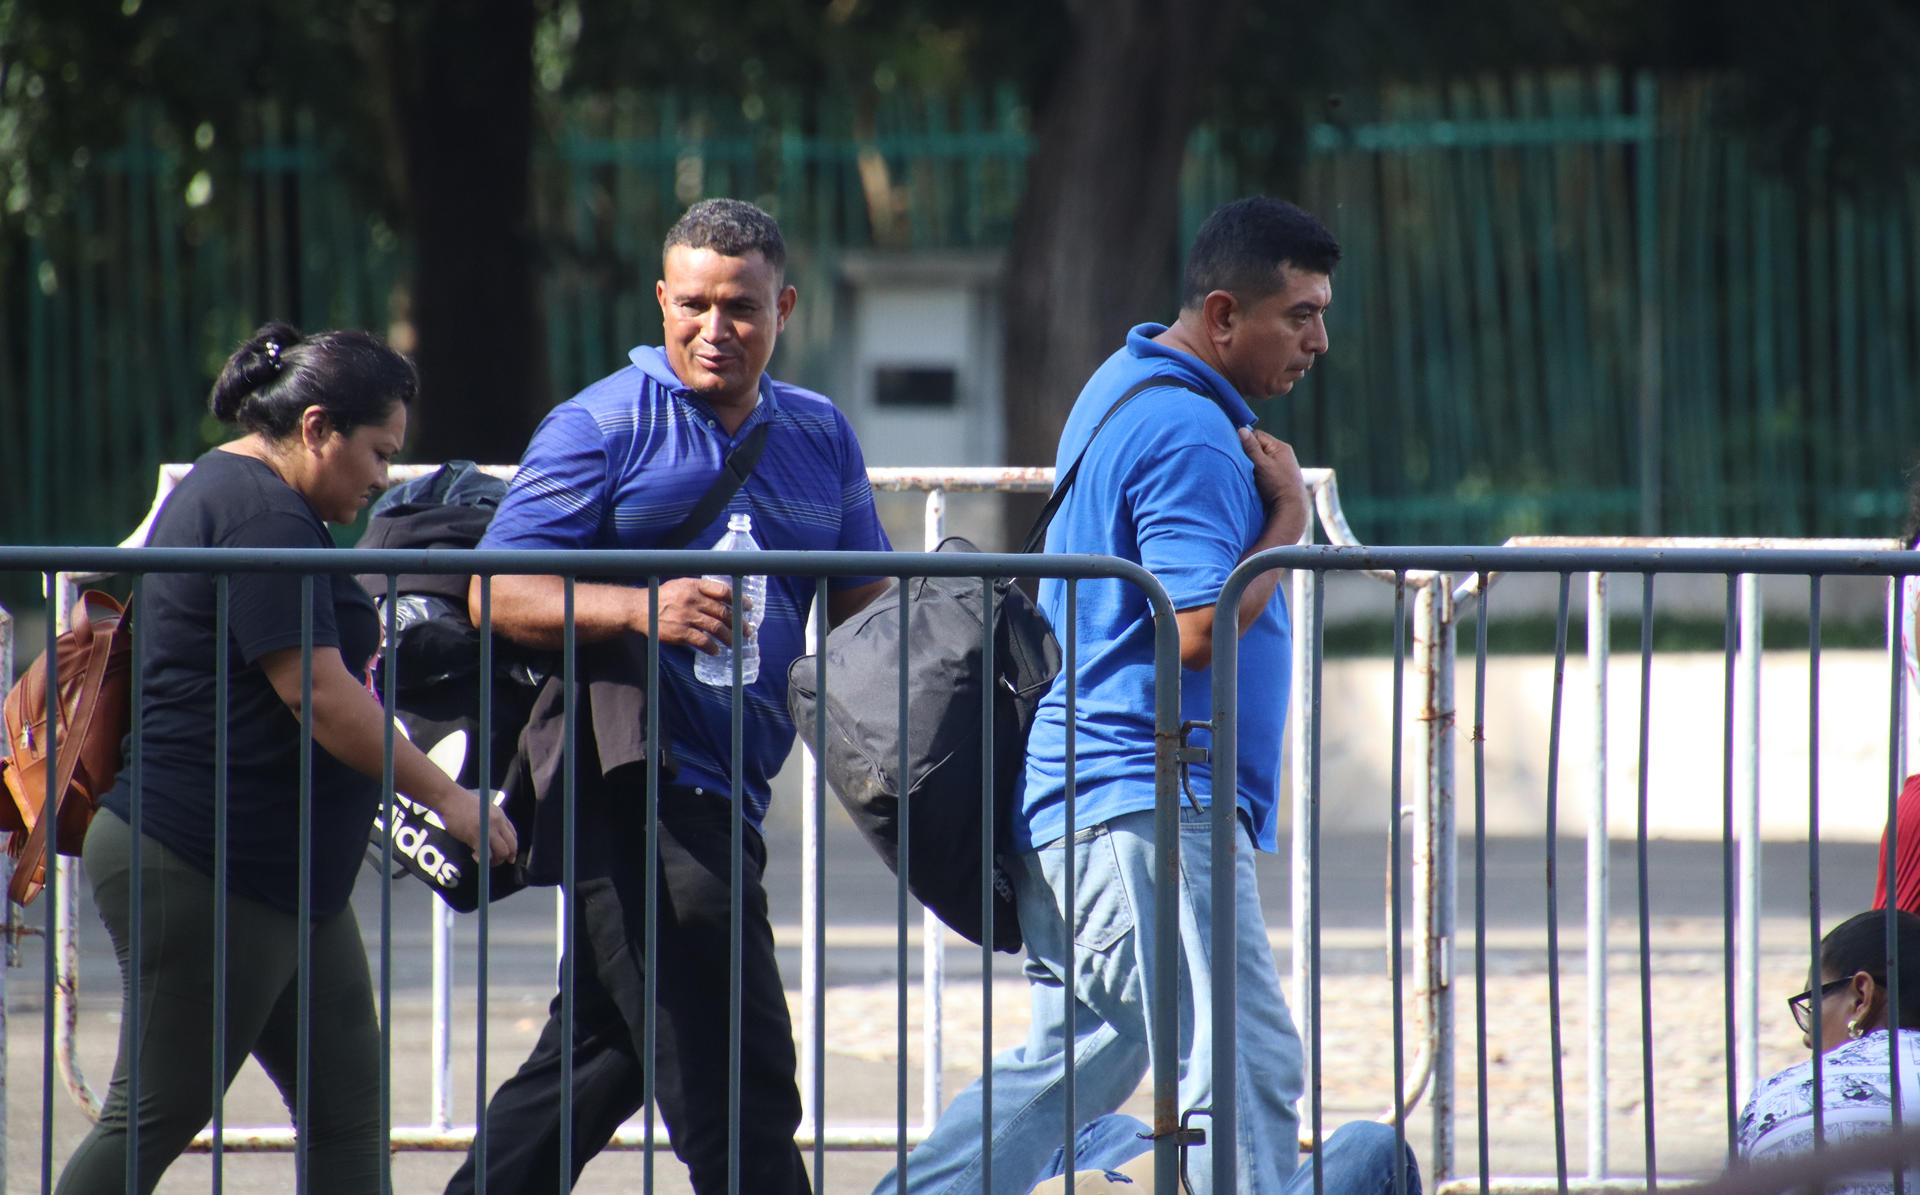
1111 981
1356 1160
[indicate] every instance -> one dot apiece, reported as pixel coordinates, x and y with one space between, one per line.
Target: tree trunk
1093 246
468 122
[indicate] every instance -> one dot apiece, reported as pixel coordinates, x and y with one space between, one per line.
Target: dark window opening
915 385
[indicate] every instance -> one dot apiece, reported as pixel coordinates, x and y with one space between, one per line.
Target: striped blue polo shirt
622 464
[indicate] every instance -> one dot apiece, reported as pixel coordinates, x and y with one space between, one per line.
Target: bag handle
29 874
1038 534
734 472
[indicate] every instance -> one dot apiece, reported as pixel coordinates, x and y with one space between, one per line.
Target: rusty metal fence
1431 589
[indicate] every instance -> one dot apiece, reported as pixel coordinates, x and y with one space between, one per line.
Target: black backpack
437 680
945 740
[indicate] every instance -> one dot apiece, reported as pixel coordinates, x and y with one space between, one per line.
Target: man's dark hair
1860 944
1242 246
731 228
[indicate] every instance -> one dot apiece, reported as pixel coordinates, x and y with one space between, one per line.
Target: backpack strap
1038 534
733 474
30 872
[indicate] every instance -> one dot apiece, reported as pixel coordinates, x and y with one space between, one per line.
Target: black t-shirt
233 501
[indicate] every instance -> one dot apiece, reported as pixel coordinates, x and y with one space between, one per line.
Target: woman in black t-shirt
322 417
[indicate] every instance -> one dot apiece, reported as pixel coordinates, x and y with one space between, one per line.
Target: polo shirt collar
1141 344
651 360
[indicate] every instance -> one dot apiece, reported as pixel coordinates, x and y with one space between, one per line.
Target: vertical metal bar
1435 859
1165 1022
390 681
736 886
904 781
66 938
1480 882
303 969
816 899
1746 784
1315 1051
1729 870
1889 854
1907 737
1305 581
1223 810
933 933
1070 662
1396 839
1553 878
812 946
650 979
52 888
440 1083
1599 862
988 693
1646 909
569 867
222 710
483 751
136 899
1814 969
1898 749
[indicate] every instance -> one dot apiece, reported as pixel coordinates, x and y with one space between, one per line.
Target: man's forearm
1286 523
531 611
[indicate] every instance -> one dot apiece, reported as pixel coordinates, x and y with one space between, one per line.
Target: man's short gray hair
731 228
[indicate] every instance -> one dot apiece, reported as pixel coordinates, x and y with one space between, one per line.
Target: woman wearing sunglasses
1844 1015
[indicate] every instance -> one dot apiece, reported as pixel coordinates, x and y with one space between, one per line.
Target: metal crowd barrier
1428 577
61 907
1434 861
1429 572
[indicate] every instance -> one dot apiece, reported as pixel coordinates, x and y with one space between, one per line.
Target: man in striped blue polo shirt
621 465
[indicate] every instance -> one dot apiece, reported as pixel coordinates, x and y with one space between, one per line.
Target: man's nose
714 327
1317 336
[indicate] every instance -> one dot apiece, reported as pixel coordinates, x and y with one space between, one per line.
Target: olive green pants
345 1147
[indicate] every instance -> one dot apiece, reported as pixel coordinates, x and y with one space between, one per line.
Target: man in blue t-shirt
623 465
1179 482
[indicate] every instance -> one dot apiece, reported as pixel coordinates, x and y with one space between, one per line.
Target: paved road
1685 893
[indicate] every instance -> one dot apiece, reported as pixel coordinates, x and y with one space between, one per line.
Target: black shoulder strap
733 474
1038 534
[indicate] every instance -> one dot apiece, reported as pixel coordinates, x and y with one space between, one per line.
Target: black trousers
691 1065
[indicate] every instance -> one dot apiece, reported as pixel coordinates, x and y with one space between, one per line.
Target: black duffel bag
946 669
945 739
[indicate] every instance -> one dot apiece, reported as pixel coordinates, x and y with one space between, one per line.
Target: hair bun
253 366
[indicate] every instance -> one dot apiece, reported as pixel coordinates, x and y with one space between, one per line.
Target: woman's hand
462 818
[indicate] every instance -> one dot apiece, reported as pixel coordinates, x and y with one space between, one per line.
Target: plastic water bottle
718 670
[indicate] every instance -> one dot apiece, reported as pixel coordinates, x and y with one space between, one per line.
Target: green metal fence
1570 302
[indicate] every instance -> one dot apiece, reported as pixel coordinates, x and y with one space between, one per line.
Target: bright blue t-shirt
1168 486
622 464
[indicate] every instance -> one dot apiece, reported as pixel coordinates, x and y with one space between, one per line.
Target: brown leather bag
95 707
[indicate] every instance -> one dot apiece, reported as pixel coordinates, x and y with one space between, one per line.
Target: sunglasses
1802 1005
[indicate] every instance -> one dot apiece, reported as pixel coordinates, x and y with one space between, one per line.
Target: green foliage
762 50
204 76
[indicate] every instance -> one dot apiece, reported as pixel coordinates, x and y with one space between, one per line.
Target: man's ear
1218 311
783 306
